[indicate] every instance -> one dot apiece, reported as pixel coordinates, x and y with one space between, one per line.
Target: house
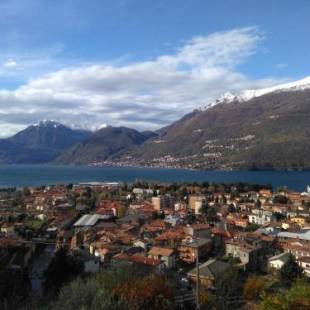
141 192
298 249
302 235
103 251
7 229
197 202
247 253
190 248
140 243
143 264
170 237
153 229
198 230
166 255
241 222
266 193
300 220
88 220
173 220
296 198
304 263
162 202
277 261
208 272
260 217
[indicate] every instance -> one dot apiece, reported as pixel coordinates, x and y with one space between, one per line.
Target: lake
33 175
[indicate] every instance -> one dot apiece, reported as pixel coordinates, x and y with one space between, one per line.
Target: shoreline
153 167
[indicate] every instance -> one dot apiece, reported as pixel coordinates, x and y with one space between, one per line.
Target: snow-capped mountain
48 123
253 93
49 134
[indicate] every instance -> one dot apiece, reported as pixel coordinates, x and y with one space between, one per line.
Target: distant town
222 246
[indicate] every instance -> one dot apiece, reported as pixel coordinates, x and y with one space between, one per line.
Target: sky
141 63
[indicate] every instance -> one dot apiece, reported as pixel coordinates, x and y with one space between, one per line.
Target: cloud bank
142 95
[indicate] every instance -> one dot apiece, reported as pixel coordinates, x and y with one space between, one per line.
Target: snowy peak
253 93
48 123
292 86
49 135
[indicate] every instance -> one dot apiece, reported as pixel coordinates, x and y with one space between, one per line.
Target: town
217 246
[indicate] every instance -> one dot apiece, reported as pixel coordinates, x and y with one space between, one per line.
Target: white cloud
143 95
281 66
24 62
10 63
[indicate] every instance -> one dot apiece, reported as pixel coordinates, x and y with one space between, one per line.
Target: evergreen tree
290 270
62 269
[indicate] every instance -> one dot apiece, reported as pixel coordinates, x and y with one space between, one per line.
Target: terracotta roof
304 259
296 247
199 226
176 234
156 251
140 259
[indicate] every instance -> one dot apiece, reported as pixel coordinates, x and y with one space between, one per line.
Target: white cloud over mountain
142 95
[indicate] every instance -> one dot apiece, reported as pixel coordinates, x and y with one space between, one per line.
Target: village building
208 272
166 255
277 261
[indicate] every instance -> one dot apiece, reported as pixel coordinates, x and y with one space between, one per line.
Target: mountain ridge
249 94
39 143
268 131
102 144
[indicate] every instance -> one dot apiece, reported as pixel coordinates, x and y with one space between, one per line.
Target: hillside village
166 229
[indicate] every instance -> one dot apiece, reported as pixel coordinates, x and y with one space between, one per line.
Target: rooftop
302 235
212 268
156 251
88 220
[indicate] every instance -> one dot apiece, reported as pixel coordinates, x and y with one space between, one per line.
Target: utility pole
197 282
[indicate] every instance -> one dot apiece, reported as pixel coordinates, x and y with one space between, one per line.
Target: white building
304 263
277 262
260 217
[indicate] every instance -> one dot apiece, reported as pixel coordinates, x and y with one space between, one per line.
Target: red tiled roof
159 251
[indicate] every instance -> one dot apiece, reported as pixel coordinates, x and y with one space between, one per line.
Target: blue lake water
32 175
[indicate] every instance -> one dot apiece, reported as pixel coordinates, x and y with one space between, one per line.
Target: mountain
102 144
249 94
39 143
256 129
49 134
270 130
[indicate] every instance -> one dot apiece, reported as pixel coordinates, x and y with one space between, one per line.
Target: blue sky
141 63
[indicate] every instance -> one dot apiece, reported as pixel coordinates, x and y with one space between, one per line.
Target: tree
62 269
153 292
26 191
290 271
280 199
204 209
116 289
14 288
229 286
252 227
253 287
231 208
211 215
258 204
282 189
297 297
